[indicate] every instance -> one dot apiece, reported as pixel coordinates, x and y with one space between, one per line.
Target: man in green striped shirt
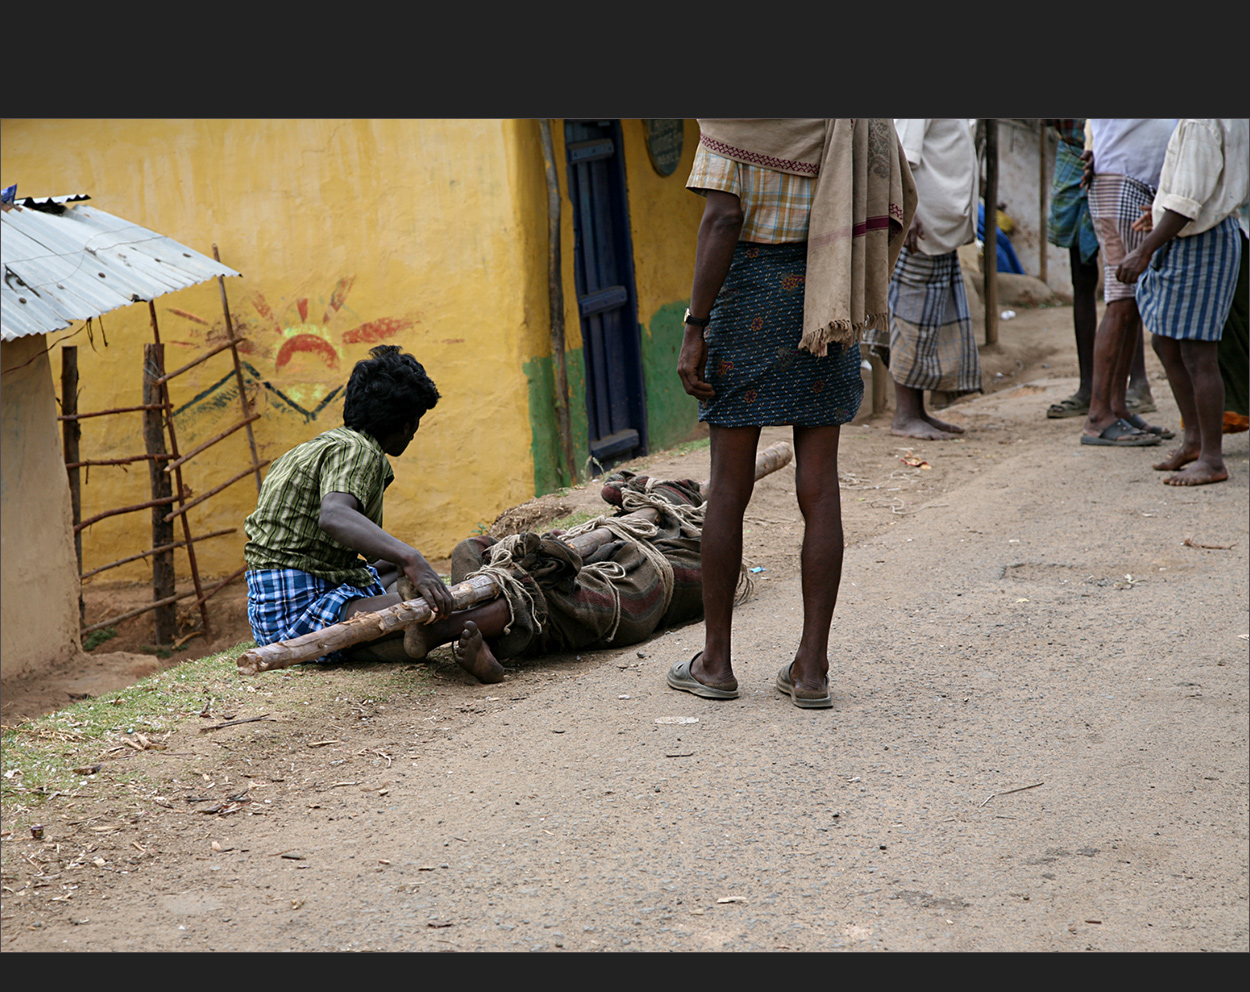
320 510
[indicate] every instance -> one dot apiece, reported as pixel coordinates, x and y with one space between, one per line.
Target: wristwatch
696 321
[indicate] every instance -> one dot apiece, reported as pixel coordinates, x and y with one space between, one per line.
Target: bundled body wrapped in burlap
647 577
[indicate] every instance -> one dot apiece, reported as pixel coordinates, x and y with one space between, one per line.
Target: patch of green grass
572 520
97 637
689 446
38 757
159 652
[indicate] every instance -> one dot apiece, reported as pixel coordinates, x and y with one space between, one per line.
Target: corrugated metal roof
83 263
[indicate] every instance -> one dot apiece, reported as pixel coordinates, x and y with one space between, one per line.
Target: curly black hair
387 392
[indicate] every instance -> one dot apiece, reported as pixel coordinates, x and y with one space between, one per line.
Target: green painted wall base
544 431
671 414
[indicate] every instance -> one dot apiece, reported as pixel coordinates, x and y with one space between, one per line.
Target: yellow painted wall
422 230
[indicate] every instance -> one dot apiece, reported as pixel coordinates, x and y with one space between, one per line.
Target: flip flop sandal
1141 425
1138 405
804 699
1071 407
679 677
1122 434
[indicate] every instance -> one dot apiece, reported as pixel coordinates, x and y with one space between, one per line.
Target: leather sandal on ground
1122 434
679 677
1071 407
804 699
1141 425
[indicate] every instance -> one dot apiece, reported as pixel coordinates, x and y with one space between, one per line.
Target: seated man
320 510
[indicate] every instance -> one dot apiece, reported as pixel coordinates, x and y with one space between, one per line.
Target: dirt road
1039 742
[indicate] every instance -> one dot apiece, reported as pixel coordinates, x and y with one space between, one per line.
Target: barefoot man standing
930 343
1188 269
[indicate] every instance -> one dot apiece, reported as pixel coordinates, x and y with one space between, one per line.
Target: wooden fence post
166 622
71 432
991 231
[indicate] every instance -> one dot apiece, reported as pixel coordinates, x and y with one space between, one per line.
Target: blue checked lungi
931 340
754 363
1069 223
1187 289
285 602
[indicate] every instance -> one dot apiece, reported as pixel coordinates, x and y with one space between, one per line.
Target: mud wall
39 602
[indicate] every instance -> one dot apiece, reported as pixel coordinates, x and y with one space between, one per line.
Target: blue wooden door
604 263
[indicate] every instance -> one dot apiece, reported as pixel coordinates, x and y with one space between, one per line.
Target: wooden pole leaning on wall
990 255
1043 184
238 372
71 433
555 296
370 626
166 621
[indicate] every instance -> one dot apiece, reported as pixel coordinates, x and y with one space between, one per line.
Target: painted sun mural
298 350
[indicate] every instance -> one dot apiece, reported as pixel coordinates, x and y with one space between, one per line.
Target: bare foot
475 657
1176 458
1199 473
417 642
920 429
941 425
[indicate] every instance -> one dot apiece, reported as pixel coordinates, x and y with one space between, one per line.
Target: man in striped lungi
930 343
1188 269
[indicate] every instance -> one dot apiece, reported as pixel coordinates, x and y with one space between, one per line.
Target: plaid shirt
1071 129
284 531
775 205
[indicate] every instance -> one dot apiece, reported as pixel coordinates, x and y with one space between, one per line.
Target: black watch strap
696 321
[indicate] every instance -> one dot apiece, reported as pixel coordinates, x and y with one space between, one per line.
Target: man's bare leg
1138 382
732 482
1169 352
1198 374
1084 318
912 420
820 500
1113 355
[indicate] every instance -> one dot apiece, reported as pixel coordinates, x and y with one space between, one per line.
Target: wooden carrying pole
370 626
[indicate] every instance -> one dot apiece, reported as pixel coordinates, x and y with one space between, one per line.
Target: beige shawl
862 206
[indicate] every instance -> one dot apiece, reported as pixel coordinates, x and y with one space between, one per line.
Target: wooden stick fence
171 498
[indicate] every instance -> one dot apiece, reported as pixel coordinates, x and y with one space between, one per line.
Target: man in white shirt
930 343
1188 268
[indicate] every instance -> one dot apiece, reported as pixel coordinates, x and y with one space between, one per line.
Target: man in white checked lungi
1123 157
930 342
1188 269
